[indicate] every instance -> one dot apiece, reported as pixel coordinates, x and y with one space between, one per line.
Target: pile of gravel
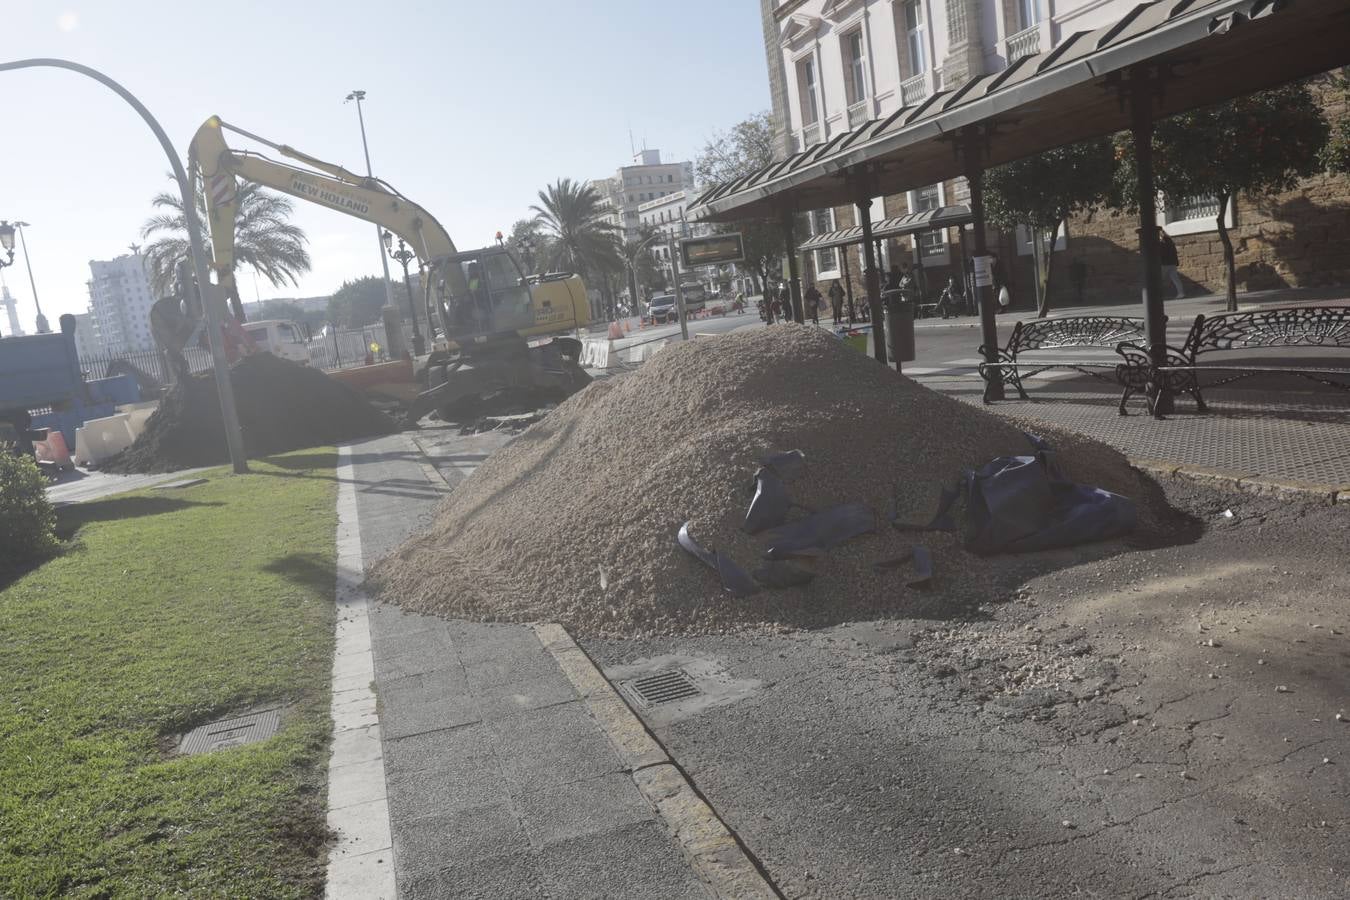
576 520
282 406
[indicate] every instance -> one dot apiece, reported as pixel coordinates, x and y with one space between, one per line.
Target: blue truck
42 387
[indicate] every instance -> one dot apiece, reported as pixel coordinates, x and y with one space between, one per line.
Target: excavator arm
323 183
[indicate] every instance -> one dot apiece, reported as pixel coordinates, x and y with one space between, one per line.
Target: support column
1141 91
871 277
848 285
972 160
794 277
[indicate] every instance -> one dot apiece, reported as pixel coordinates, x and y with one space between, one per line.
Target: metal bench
1302 328
1106 332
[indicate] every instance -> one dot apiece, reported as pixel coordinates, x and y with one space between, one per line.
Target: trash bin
899 326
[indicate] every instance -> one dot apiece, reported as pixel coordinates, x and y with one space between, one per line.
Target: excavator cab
498 298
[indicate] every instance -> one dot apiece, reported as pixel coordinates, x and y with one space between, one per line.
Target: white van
279 337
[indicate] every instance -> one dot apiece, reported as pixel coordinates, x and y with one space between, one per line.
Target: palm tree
265 239
570 213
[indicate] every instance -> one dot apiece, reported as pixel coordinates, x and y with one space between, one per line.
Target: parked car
662 309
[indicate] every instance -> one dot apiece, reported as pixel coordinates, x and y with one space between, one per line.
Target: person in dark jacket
1167 256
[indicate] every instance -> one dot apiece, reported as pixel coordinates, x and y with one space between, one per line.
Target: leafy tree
729 155
1259 144
1042 191
357 303
569 213
265 240
1336 156
529 245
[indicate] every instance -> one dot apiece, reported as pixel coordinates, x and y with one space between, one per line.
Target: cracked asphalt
1168 722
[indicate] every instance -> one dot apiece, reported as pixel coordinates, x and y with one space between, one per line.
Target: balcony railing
1026 42
913 90
807 136
859 113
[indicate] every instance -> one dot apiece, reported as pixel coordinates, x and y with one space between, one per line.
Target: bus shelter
1159 59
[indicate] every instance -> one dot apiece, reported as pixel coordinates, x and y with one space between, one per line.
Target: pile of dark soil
576 520
282 406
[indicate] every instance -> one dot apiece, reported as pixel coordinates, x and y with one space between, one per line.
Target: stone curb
1251 482
716 855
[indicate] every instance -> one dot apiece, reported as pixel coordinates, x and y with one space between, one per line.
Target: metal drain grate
663 687
231 732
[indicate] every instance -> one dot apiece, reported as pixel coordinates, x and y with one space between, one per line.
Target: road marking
361 862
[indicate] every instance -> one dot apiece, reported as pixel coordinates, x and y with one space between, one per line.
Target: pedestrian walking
813 300
790 312
837 302
1167 255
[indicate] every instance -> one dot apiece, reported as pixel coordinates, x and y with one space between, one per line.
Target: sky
471 108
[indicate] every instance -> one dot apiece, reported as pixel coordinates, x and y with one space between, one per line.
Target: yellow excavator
491 322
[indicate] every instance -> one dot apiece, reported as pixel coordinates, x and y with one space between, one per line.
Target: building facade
119 303
834 64
646 180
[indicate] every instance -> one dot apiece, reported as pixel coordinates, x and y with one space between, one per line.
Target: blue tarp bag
1020 504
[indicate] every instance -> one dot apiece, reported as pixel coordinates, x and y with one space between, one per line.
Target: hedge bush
27 522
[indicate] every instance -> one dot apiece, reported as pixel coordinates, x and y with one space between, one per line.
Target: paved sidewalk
499 781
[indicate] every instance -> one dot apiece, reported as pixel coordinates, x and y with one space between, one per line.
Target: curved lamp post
210 293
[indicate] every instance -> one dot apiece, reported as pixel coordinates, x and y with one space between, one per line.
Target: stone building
833 64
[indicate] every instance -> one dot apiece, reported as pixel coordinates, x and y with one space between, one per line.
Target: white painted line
361 861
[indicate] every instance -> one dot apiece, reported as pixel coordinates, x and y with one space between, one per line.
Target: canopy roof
1206 50
913 223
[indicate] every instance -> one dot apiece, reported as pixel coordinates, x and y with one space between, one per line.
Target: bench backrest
1290 327
1074 331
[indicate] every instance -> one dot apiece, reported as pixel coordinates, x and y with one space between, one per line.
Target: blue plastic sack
1020 504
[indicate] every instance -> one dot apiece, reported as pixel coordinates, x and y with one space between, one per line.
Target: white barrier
99 439
596 354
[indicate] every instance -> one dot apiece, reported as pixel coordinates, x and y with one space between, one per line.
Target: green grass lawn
170 609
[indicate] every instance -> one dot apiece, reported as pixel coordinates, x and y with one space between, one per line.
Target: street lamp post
6 243
358 96
405 256
211 294
42 326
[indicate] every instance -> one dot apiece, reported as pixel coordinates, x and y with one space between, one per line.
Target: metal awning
1211 50
913 223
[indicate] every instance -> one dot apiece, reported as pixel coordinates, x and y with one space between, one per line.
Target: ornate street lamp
42 326
7 243
405 256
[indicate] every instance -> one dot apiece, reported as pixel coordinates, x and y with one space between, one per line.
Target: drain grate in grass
231 733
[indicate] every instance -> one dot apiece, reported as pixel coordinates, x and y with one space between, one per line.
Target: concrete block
635 860
427 751
356 746
1290 489
357 783
367 876
361 828
457 837
494 878
566 811
453 784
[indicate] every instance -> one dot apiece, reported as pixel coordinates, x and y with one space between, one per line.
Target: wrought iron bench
1106 332
1302 328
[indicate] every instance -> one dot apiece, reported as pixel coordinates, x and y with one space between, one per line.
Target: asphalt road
1162 722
